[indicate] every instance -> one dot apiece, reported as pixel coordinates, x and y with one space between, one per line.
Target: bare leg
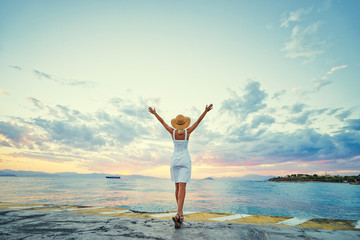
177 216
176 192
181 197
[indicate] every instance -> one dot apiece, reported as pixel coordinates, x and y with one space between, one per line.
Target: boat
355 183
116 177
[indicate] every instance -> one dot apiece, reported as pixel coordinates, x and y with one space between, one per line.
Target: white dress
180 168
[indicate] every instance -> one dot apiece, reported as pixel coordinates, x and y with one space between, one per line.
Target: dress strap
174 134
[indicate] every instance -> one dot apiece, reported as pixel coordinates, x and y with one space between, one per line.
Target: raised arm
207 109
153 111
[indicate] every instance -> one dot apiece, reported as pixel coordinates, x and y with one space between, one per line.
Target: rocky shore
37 224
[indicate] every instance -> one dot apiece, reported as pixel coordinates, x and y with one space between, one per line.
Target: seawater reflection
138 194
322 200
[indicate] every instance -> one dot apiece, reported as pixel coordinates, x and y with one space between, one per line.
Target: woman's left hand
152 110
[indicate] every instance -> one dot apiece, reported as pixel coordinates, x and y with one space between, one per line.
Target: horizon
76 80
247 175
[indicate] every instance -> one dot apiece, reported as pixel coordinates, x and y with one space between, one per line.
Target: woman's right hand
152 110
208 108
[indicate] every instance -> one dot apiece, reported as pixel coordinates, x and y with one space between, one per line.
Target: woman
180 162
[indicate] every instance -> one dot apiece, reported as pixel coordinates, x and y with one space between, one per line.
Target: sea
305 200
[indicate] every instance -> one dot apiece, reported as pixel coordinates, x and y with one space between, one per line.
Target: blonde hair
180 131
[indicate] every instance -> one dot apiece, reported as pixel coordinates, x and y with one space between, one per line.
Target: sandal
181 218
177 221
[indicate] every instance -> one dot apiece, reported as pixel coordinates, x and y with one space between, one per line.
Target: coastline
310 182
355 180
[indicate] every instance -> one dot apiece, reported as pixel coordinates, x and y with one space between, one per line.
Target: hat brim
183 126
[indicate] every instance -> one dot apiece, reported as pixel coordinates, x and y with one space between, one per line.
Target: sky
77 78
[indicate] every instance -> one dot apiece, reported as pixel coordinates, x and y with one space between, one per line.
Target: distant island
249 177
208 178
5 174
13 173
317 178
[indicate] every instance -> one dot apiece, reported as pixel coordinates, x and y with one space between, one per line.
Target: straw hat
180 122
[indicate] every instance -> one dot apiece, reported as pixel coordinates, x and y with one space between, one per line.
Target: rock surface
27 224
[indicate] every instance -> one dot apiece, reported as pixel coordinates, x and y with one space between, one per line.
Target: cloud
130 108
344 114
353 124
37 102
301 119
298 107
66 128
58 111
46 76
4 143
244 133
306 145
121 131
76 135
322 83
294 16
68 82
248 146
325 79
252 101
15 67
304 42
262 119
303 146
12 130
333 111
250 135
103 116
70 114
13 134
298 90
305 117
42 75
91 132
332 70
347 143
278 94
86 140
3 92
